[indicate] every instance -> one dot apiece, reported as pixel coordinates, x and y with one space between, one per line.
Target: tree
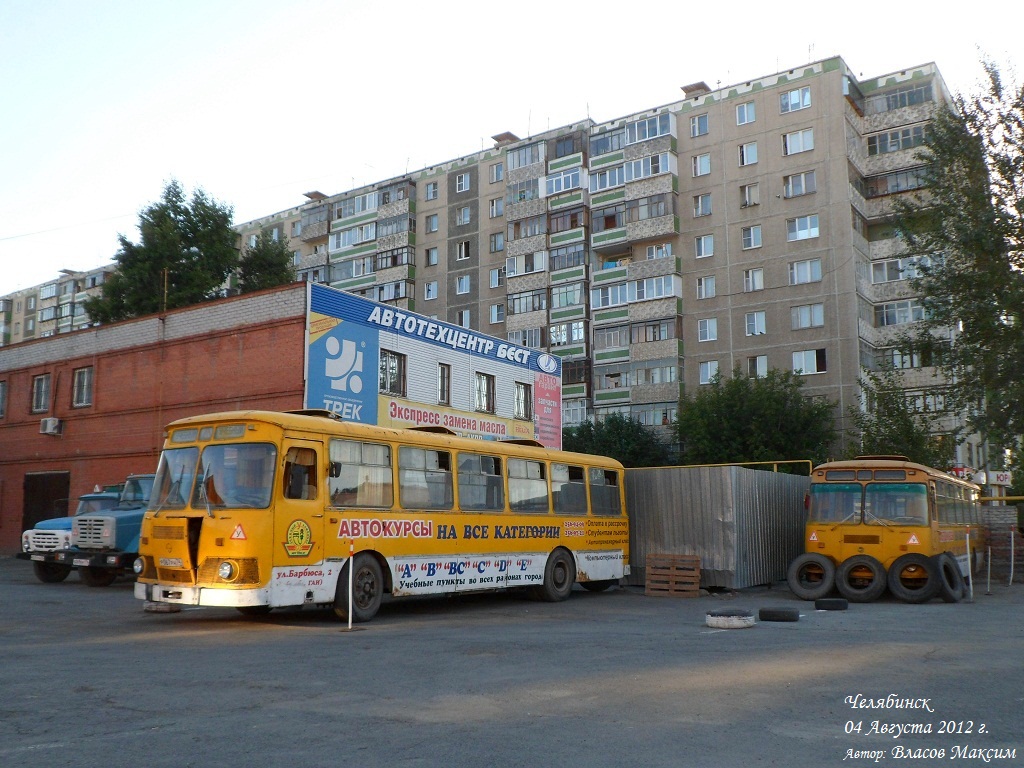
265 264
763 419
969 221
619 437
187 251
892 425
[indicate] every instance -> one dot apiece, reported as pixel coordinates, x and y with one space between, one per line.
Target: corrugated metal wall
746 525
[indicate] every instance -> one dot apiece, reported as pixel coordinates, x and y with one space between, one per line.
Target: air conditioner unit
50 426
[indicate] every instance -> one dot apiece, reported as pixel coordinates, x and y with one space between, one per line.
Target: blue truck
101 540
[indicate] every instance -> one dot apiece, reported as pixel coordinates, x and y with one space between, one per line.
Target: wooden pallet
673 576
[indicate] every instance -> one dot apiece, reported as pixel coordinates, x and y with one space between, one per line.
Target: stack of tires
912 578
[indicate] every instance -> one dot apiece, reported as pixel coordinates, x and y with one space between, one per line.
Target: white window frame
462 182
707 371
497 207
805 356
753 280
795 100
497 277
799 181
431 190
701 164
462 250
430 256
430 290
707 329
706 287
757 367
745 113
805 271
802 228
748 153
698 127
497 313
462 216
795 142
750 237
756 323
698 205
462 284
807 316
704 246
431 223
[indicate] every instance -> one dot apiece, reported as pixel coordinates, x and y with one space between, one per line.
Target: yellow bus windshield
222 476
873 503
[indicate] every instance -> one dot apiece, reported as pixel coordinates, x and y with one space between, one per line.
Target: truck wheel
367 589
97 577
913 578
860 579
559 576
811 576
51 573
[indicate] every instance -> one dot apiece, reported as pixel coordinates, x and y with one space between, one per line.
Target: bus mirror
335 469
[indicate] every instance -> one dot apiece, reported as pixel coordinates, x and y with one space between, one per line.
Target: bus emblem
299 539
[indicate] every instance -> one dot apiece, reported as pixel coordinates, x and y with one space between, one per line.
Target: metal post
351 568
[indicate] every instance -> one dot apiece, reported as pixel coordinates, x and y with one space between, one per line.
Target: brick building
90 407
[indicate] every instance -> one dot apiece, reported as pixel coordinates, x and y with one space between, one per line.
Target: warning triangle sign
913 539
814 536
238 534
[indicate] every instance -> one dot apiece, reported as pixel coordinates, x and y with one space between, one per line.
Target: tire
97 577
811 576
254 610
367 589
913 578
951 581
860 579
51 573
559 576
729 618
779 614
831 604
599 586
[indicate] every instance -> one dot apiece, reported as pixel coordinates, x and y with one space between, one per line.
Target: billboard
345 334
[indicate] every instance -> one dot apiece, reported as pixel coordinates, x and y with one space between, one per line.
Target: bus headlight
138 566
227 570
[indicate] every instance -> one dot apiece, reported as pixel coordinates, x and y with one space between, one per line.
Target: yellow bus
878 522
257 510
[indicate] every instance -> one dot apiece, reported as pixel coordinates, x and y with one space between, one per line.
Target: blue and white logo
547 363
343 365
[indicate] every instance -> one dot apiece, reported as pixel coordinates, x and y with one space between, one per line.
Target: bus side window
568 489
300 480
604 492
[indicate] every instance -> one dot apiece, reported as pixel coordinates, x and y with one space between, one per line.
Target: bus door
299 512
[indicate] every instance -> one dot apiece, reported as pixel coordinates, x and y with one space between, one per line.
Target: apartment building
56 306
745 227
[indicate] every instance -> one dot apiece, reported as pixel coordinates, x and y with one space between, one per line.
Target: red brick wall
240 353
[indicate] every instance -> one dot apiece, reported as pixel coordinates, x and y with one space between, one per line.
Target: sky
102 102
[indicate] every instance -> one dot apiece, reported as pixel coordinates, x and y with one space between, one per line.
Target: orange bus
257 510
884 522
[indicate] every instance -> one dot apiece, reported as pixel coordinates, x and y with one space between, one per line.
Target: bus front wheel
860 579
811 576
559 576
913 578
367 589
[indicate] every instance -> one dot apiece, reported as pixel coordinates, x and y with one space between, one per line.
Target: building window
462 284
799 184
497 313
750 194
497 172
444 384
893 141
899 313
755 323
699 125
392 373
751 236
892 270
430 291
702 205
462 216
707 329
798 141
745 113
484 393
809 361
807 271
81 391
757 367
431 190
702 165
704 246
3 399
497 277
659 251
706 287
497 207
463 318
523 156
431 257
462 182
808 316
753 280
462 250
497 242
708 371
802 227
523 401
791 101
296 258
41 393
748 153
432 223
562 181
